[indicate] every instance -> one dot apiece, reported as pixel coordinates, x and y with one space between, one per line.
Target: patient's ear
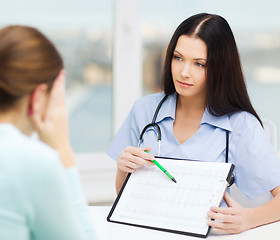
38 99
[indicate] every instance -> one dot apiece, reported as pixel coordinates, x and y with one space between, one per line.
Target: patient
40 192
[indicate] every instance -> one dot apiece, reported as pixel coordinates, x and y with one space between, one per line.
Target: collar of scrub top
169 107
216 121
168 110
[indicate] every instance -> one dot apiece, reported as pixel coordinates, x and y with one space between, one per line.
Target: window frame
127 78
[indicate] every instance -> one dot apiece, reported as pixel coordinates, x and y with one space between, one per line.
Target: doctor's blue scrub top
257 166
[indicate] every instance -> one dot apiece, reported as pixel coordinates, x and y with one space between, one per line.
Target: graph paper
150 199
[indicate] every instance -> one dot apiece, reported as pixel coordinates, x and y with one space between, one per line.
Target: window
82 32
102 68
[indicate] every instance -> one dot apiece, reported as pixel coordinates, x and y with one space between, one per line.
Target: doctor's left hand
232 219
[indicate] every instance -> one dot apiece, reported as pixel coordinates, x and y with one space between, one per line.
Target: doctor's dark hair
27 59
226 88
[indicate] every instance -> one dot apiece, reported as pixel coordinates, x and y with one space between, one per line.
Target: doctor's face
188 67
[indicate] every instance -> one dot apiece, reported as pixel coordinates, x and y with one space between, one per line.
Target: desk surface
107 230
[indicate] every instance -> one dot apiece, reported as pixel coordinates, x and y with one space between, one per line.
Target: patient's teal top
257 166
39 199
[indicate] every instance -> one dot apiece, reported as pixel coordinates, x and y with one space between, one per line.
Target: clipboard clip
230 180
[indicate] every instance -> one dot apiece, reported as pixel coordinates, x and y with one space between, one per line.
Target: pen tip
173 179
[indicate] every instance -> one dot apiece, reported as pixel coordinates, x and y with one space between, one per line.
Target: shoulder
28 157
37 153
148 101
246 129
243 120
144 107
27 162
232 121
22 148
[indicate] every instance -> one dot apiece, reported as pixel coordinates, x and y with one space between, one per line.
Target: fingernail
30 112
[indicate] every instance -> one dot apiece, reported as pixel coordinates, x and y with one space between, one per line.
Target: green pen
163 169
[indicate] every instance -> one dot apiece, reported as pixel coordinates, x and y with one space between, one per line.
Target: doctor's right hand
132 158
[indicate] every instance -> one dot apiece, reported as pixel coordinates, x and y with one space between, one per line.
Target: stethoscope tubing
154 124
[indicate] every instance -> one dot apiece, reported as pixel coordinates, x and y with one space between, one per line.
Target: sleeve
60 210
127 135
257 164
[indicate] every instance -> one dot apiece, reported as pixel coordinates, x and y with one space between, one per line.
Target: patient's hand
52 126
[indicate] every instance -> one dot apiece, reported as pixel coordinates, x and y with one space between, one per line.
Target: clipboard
149 199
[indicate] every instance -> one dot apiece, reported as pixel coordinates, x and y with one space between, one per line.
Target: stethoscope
154 124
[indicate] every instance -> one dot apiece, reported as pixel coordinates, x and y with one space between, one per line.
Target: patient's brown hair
27 59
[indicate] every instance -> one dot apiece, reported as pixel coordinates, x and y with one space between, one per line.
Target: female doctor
207 104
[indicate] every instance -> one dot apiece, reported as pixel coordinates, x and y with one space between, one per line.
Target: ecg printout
151 199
